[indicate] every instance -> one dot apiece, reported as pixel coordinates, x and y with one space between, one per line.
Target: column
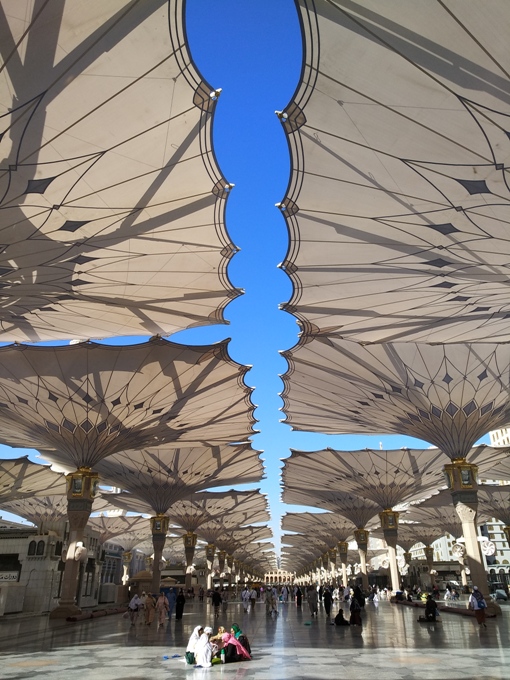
361 538
190 541
429 556
209 555
230 565
159 529
81 491
332 564
126 563
222 555
343 549
389 524
461 478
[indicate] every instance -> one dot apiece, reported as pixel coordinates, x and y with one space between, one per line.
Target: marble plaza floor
391 645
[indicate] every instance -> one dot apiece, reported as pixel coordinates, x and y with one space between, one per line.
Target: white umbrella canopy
84 402
20 478
399 195
111 527
112 219
387 478
46 512
322 524
157 478
449 395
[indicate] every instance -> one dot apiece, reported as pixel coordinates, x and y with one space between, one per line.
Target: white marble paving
392 645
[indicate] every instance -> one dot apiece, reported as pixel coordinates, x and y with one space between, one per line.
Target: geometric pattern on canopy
237 539
112 203
131 539
399 195
411 534
234 509
109 527
156 478
46 512
494 501
387 478
319 543
20 478
449 395
358 510
81 403
321 524
444 517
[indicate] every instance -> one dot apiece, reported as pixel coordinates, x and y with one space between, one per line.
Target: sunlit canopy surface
494 501
329 524
443 515
156 478
356 509
449 395
110 527
20 478
83 402
399 201
387 478
232 508
111 201
46 512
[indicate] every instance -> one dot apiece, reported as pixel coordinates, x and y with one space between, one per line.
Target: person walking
313 600
161 609
245 597
201 594
134 607
253 598
478 604
328 601
216 601
150 606
224 600
179 605
285 594
355 608
298 595
171 598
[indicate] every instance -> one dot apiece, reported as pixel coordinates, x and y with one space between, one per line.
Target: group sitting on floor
204 649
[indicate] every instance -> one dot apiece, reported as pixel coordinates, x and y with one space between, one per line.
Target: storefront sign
9 575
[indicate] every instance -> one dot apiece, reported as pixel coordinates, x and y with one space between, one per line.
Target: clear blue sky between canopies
252 50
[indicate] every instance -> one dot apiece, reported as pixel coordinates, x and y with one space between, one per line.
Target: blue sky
252 50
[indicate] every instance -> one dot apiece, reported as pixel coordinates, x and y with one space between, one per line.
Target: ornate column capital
190 539
159 524
343 549
82 484
361 537
467 513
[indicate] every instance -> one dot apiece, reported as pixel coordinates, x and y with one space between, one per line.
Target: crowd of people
206 648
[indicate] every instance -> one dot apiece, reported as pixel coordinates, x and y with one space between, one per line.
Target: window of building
31 548
40 548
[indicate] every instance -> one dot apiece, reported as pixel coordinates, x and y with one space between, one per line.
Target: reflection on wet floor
391 645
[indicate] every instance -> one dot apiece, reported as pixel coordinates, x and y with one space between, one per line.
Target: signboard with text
9 576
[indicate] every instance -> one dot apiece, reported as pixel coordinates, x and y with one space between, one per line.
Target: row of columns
81 491
461 477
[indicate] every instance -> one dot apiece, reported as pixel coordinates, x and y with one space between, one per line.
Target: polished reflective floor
391 644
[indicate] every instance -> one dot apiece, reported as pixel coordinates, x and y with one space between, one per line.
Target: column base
62 611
